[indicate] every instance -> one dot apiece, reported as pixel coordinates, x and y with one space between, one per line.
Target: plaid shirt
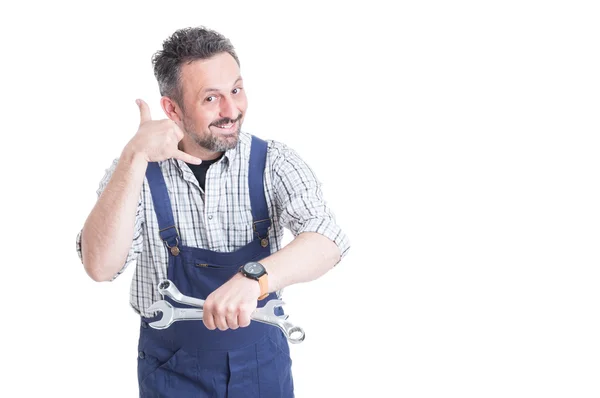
220 218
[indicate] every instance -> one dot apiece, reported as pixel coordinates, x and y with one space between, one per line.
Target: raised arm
108 232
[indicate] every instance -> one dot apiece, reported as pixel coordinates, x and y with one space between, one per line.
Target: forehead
217 72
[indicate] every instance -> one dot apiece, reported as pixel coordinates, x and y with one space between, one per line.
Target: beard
214 142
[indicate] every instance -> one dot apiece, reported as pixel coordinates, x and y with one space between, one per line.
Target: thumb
144 111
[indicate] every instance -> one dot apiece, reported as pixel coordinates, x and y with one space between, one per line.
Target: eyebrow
212 90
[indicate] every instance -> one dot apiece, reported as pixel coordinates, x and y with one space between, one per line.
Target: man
200 199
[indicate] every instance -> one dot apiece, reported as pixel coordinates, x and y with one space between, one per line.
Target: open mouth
226 128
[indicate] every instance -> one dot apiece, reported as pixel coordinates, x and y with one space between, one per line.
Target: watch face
253 268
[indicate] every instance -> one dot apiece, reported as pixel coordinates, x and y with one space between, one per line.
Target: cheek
240 100
243 104
203 118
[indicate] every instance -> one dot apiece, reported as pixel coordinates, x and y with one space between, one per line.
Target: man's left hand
231 305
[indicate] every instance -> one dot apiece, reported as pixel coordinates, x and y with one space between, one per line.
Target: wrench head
167 314
269 307
164 285
294 334
168 288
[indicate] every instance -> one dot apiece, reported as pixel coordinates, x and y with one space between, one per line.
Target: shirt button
141 355
210 217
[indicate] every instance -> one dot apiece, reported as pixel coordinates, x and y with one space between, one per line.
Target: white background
457 143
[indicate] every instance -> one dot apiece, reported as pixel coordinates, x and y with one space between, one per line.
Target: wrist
252 284
257 272
133 155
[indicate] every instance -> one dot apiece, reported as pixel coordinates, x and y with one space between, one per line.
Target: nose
228 108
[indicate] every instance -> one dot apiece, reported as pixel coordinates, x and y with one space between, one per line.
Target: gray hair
185 46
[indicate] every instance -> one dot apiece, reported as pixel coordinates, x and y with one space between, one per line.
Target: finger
186 157
244 319
209 321
232 320
221 322
144 111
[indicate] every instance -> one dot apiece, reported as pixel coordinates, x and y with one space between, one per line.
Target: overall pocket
177 374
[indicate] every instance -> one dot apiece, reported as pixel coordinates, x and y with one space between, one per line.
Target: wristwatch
257 271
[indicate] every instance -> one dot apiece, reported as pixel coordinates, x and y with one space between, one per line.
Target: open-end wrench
168 288
266 314
171 314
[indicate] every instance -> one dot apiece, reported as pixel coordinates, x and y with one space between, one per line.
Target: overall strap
162 205
260 210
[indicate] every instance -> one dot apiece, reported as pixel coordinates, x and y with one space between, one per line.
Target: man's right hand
158 140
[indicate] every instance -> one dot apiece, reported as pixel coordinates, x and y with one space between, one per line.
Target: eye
212 98
236 90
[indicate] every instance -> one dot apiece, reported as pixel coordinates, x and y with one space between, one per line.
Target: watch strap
263 282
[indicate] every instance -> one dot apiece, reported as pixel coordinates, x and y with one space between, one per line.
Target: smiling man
194 199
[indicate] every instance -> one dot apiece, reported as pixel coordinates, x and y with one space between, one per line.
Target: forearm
108 231
309 256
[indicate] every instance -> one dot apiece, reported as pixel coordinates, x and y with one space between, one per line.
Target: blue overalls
187 359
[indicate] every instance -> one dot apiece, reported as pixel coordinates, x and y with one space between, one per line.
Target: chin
229 141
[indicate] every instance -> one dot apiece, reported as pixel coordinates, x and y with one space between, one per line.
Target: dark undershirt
200 170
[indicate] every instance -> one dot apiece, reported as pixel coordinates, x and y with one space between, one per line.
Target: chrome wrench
168 288
171 314
294 334
266 314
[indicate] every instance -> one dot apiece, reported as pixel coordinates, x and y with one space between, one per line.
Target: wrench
168 288
294 334
266 314
171 314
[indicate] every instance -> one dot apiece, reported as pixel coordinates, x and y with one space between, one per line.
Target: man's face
214 102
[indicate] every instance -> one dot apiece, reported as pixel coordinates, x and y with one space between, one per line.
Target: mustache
226 120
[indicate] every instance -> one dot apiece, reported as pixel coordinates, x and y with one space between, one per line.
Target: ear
171 109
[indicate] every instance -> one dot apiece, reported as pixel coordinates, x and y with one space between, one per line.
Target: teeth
225 126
